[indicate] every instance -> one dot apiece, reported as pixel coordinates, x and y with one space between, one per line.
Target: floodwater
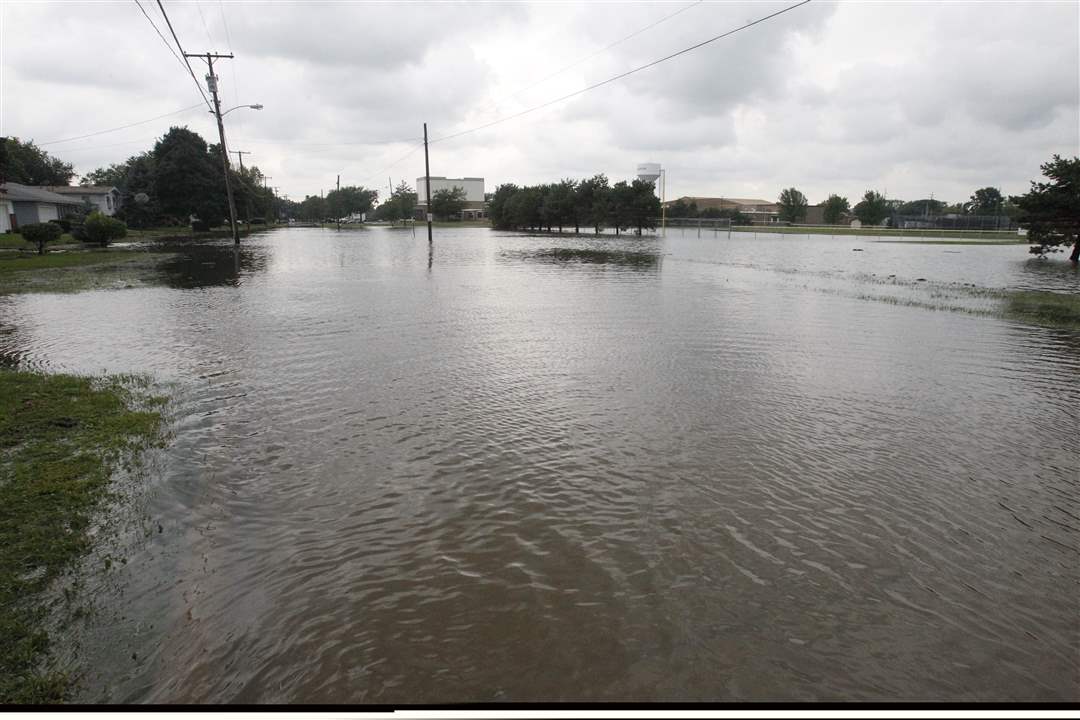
536 468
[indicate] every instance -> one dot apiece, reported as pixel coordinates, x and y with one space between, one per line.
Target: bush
102 229
41 233
200 226
65 224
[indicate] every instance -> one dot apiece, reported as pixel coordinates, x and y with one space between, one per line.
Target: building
106 199
475 205
34 205
759 211
7 211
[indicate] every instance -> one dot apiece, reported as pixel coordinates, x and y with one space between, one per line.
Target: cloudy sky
907 98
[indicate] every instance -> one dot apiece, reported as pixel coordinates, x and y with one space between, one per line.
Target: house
34 204
7 211
475 205
759 211
105 198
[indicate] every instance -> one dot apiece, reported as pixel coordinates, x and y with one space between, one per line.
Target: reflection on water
468 472
197 265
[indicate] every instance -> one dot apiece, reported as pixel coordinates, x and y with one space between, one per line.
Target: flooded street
524 468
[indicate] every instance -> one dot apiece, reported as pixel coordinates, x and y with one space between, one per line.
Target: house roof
725 200
81 189
28 193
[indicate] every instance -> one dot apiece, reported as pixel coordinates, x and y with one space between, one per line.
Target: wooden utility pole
211 82
427 185
239 157
339 198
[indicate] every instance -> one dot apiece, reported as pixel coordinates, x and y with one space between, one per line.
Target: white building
106 199
35 205
474 194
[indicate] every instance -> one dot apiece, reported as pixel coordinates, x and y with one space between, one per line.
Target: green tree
621 206
835 209
448 202
187 180
350 200
793 205
313 208
138 199
985 201
925 207
592 200
560 206
102 229
645 206
41 233
1051 210
497 207
872 209
111 176
404 201
28 164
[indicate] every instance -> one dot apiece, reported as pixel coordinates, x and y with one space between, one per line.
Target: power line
167 45
361 143
122 127
198 6
228 39
181 48
606 48
621 75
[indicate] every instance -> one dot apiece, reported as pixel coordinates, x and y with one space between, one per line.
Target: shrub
102 229
200 226
41 233
65 224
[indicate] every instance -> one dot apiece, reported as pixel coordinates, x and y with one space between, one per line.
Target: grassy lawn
76 270
1044 308
61 438
941 236
15 241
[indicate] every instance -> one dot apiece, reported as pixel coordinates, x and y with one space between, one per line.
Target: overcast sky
907 98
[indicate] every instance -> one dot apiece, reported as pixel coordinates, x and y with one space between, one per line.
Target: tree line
874 208
591 203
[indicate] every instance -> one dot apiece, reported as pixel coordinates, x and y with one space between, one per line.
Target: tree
835 209
41 233
404 201
793 205
620 207
926 207
102 229
985 201
112 176
560 205
448 202
497 207
592 200
350 200
28 164
139 206
1051 210
645 206
187 180
312 208
872 209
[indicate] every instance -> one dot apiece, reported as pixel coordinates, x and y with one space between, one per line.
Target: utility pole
427 186
211 81
339 198
239 157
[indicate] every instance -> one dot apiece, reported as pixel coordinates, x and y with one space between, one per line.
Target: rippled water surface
539 468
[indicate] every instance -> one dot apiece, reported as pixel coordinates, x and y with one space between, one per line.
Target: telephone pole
211 82
427 186
239 157
339 198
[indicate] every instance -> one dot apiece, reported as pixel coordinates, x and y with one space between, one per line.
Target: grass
15 241
1044 308
61 438
954 242
76 270
1002 236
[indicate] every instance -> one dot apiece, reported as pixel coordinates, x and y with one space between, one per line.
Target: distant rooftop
28 193
81 189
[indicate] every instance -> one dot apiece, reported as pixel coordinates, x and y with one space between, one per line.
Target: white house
106 199
7 211
474 194
34 204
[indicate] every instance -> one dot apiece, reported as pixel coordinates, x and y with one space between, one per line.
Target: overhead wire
619 76
153 25
232 65
604 49
121 127
181 49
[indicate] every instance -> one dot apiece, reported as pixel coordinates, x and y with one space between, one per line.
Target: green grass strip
61 437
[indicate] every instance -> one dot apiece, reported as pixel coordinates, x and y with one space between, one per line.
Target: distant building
7 211
33 205
106 199
759 211
475 204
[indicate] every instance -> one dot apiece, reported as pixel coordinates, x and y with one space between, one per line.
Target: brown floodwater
535 468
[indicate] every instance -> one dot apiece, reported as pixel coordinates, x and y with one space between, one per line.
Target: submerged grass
1044 308
61 438
76 271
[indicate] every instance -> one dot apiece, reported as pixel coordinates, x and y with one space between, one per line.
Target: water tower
649 172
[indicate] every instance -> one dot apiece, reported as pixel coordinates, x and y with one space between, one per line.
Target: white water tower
649 172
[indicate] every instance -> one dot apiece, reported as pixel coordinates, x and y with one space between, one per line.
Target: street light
257 106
